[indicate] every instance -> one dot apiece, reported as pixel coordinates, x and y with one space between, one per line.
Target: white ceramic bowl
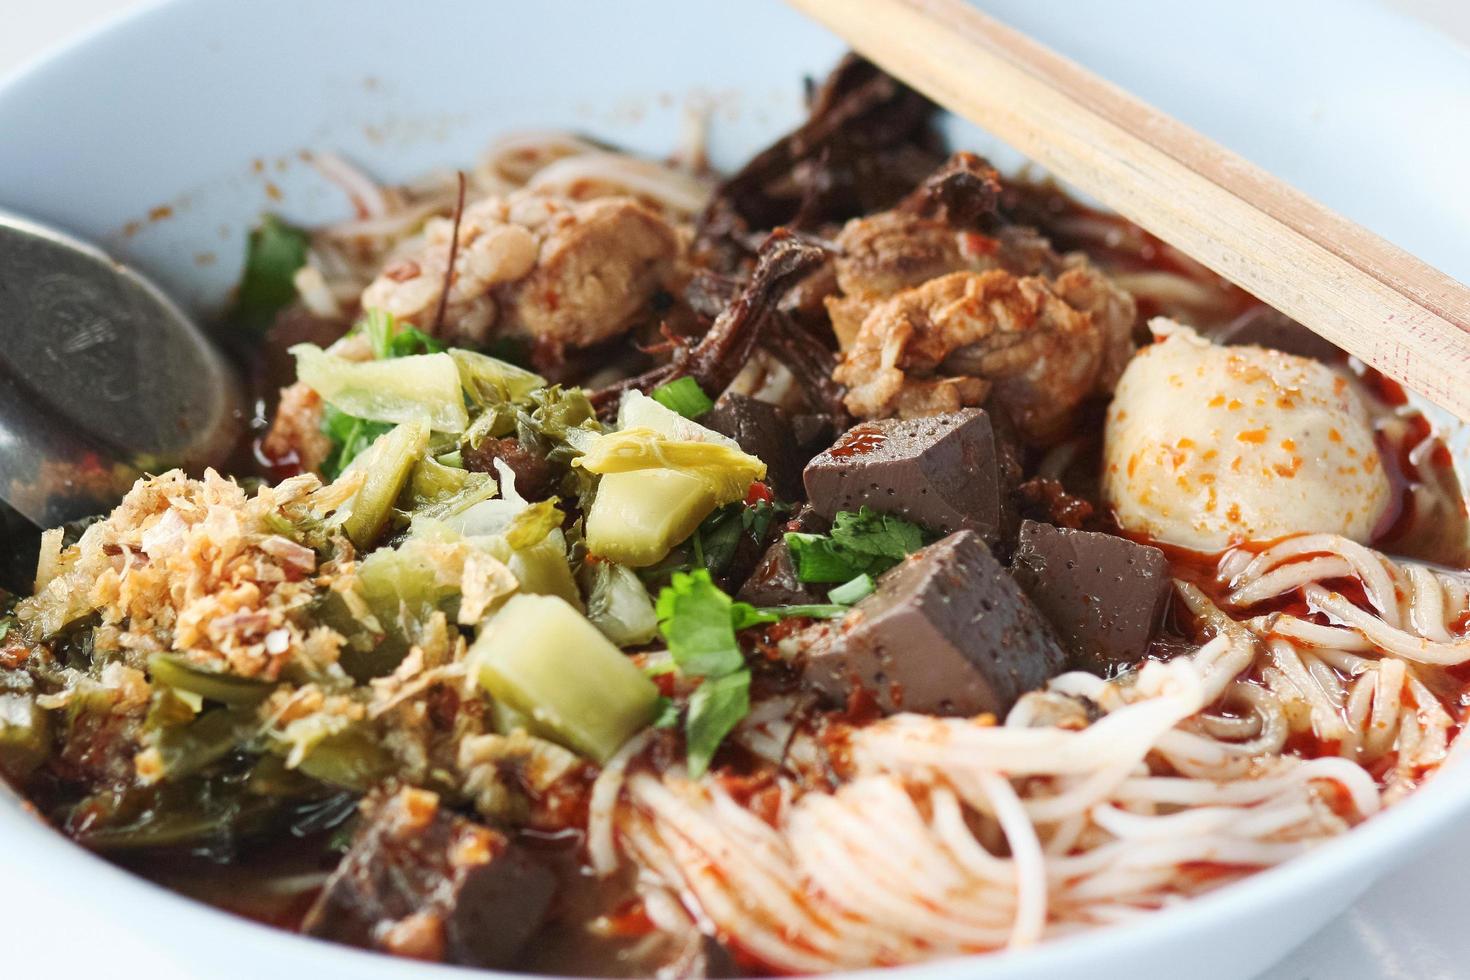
163 135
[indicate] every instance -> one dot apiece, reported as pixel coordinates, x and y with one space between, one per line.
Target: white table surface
1411 926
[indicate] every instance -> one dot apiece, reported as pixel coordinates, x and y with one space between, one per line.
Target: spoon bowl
102 378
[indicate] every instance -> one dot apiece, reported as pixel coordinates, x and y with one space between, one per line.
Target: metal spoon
102 378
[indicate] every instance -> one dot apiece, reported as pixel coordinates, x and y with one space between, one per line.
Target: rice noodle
958 835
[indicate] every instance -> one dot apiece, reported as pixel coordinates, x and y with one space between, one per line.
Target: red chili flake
759 493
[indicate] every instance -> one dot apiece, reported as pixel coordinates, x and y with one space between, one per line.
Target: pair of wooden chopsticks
1374 300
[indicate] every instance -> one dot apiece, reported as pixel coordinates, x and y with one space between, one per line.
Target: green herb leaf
880 535
821 610
351 435
744 615
861 543
273 255
389 338
697 622
853 590
715 708
667 713
818 559
683 395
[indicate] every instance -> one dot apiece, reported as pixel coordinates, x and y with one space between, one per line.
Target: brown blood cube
948 632
1103 595
774 581
945 472
764 431
425 883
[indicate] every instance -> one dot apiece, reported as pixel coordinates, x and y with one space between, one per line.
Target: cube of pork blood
945 472
774 581
421 882
948 632
1104 595
763 430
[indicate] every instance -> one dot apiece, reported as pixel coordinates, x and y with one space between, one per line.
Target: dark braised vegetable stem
867 140
964 193
811 361
784 260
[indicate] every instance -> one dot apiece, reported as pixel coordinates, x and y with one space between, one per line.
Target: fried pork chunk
559 272
940 306
1032 345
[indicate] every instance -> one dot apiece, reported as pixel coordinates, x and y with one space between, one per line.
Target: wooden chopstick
1394 312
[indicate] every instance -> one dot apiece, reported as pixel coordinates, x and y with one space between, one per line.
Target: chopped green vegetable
862 542
880 535
25 734
697 620
541 657
350 436
818 559
543 568
727 472
853 590
638 411
420 387
273 255
531 526
668 713
352 758
715 708
637 517
175 672
437 491
386 467
820 610
618 604
655 491
683 395
389 338
186 749
489 381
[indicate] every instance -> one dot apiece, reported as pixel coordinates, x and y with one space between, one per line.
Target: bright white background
1410 927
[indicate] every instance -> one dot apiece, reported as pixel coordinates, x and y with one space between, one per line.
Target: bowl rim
1401 831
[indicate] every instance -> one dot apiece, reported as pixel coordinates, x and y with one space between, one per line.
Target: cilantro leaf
819 559
860 543
715 708
667 713
683 395
389 338
351 435
273 254
697 622
880 535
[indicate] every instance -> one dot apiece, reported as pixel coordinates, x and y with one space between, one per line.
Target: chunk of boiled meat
774 581
945 472
1104 595
763 430
421 882
948 632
